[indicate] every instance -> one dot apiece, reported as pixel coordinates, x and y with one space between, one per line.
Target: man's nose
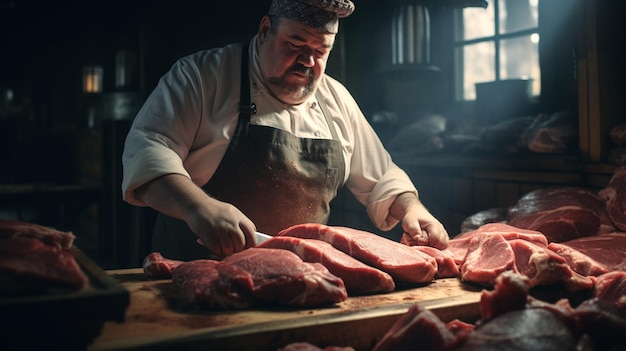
306 58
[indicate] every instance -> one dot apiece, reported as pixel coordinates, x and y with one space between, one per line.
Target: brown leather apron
273 177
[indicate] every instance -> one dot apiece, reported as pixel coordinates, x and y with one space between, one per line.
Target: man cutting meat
257 137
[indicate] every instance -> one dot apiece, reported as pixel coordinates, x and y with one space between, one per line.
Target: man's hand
219 226
418 223
222 228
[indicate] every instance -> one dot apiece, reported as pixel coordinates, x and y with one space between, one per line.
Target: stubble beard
292 91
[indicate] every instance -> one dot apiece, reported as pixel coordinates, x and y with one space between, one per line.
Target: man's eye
294 46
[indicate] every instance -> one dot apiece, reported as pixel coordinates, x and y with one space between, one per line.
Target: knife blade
261 237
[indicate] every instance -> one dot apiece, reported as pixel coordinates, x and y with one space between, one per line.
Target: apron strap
326 114
245 107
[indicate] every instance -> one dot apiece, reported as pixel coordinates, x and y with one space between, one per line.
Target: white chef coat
185 126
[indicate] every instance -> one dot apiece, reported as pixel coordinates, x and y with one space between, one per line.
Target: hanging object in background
92 79
410 35
125 69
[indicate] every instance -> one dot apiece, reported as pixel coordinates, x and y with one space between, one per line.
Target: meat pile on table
35 259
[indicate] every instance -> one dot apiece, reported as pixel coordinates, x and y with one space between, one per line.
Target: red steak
459 244
27 261
544 267
561 214
156 266
487 257
446 263
358 277
50 236
594 255
614 196
256 276
404 264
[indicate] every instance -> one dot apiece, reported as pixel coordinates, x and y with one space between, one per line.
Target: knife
260 237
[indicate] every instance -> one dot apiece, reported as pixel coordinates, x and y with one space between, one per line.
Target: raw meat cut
257 276
418 329
526 329
50 236
487 257
554 133
614 196
594 255
29 265
156 266
561 214
203 284
282 275
510 293
405 265
446 264
459 244
358 277
544 267
611 287
603 317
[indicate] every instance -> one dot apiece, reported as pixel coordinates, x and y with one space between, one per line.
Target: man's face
292 58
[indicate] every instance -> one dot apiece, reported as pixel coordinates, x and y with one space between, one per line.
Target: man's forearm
402 203
173 194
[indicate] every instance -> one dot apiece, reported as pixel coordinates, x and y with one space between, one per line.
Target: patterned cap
320 14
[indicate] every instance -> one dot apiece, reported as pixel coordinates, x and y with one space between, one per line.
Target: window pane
519 58
516 15
478 66
477 23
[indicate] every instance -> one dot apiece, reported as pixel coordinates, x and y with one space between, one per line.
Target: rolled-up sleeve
374 179
163 130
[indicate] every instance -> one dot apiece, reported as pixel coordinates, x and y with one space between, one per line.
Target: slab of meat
561 214
157 266
459 244
487 257
551 133
29 265
544 267
526 329
418 329
510 293
603 317
358 277
258 276
611 287
405 265
50 236
614 196
446 263
203 284
594 255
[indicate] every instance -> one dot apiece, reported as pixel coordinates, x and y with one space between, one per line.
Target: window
500 42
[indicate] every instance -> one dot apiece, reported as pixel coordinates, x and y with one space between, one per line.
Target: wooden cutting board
159 319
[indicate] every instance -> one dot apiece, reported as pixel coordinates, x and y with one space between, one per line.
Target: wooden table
157 318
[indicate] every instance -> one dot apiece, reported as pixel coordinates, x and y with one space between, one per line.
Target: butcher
256 137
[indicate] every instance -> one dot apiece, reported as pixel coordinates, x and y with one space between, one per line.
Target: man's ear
264 27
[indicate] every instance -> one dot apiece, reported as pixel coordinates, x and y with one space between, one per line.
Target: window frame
497 38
